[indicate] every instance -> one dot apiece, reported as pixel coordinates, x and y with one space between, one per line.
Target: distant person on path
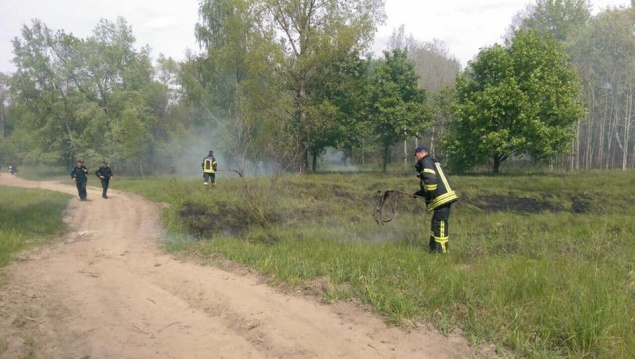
79 175
209 166
436 190
105 174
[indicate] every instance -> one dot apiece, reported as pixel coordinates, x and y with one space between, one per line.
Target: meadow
28 218
540 265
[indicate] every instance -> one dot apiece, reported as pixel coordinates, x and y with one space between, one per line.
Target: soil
107 290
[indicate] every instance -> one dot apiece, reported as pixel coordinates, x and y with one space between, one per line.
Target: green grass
543 265
28 218
44 173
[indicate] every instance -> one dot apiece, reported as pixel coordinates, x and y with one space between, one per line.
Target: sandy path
108 291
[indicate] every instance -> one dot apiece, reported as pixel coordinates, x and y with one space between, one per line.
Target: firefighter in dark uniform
79 175
105 174
209 166
439 196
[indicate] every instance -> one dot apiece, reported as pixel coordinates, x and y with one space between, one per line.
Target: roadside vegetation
28 218
539 264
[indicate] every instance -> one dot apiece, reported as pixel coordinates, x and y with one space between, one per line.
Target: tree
233 85
4 97
604 54
71 94
398 105
517 100
316 33
561 18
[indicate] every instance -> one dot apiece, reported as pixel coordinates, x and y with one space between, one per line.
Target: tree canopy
515 100
285 82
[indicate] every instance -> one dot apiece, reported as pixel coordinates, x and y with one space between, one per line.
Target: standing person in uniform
105 174
79 175
209 166
436 190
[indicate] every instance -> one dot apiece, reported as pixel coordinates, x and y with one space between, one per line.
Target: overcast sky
167 26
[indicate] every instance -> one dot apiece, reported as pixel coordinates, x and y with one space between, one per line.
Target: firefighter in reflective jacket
439 196
209 166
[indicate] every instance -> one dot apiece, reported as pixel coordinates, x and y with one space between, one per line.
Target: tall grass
27 218
45 173
542 265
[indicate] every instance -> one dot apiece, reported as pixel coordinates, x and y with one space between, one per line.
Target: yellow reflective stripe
442 199
430 187
429 170
445 180
442 230
445 196
442 242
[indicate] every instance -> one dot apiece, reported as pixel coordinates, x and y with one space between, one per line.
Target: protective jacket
104 171
209 164
79 173
434 183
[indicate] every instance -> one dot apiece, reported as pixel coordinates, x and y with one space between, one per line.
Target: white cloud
160 23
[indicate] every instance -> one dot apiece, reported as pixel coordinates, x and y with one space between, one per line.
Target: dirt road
108 291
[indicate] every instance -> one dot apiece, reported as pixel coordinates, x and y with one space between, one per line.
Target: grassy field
28 218
542 264
44 173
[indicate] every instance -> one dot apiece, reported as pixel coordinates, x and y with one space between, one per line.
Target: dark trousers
440 229
104 185
81 189
208 176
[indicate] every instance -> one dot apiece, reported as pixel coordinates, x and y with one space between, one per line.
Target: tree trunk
497 164
385 155
314 163
405 155
588 158
303 157
1 121
627 126
303 146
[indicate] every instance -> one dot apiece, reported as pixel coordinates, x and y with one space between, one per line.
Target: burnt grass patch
579 203
204 221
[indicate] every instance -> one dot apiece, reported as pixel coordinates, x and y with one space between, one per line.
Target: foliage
342 105
282 82
398 106
74 97
514 101
259 81
315 34
27 218
233 85
603 54
561 18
